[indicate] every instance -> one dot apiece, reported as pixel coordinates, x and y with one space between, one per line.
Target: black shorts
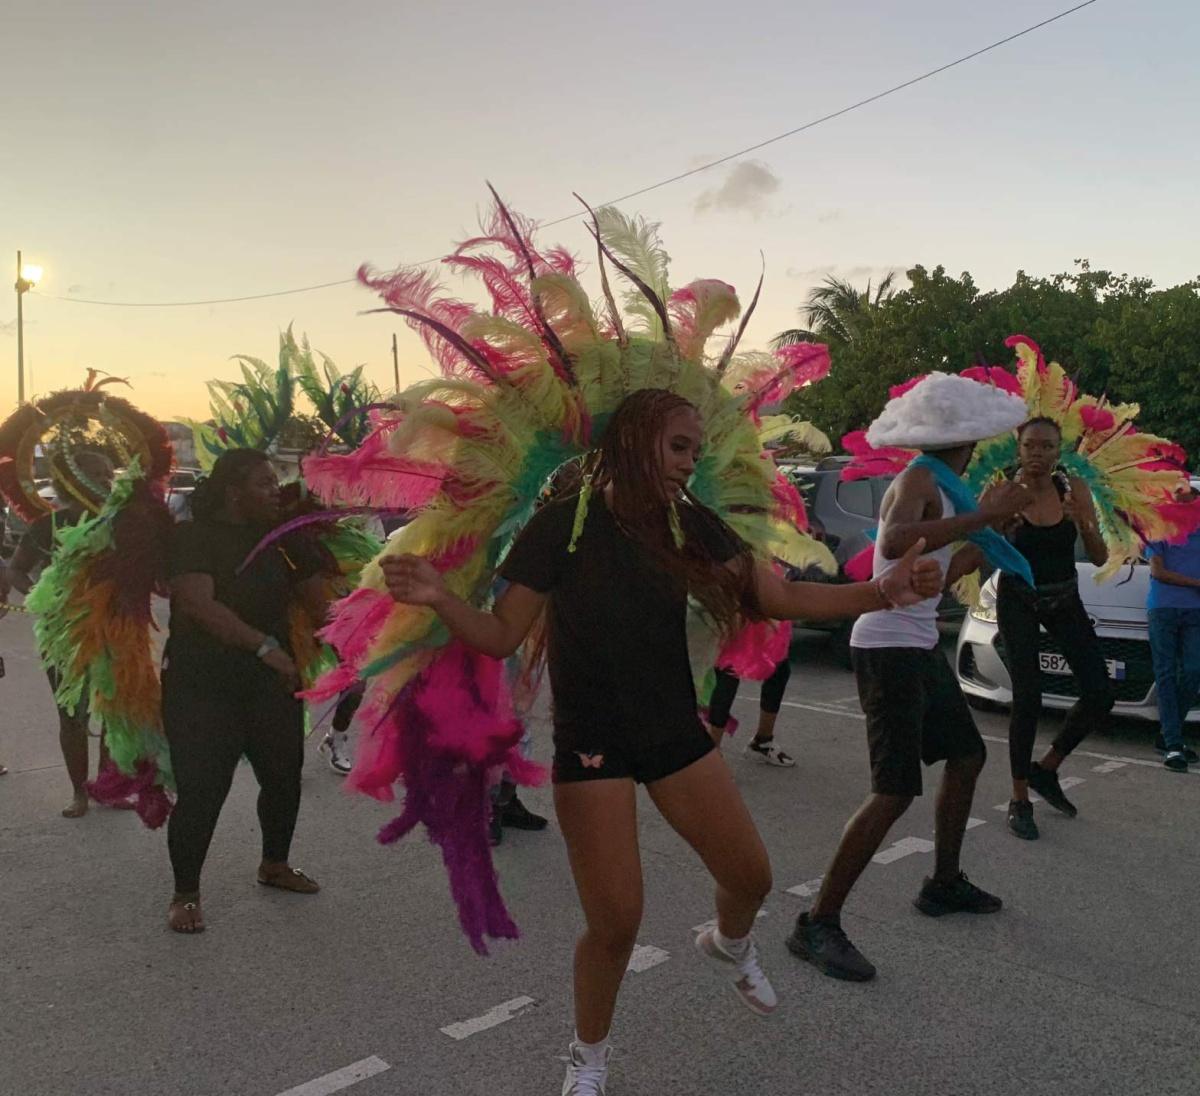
915 712
614 755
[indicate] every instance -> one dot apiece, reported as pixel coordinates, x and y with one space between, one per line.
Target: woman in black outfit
1060 511
720 705
229 681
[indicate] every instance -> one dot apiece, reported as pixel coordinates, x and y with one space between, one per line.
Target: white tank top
913 626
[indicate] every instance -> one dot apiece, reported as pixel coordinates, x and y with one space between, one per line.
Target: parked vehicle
14 528
842 513
1118 613
179 492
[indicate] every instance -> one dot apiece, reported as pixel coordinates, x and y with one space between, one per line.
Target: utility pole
20 336
395 362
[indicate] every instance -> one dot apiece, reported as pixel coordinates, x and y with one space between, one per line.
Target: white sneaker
769 753
585 1080
335 748
749 981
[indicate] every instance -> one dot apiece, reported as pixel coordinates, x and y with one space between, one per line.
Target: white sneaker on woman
749 981
335 748
583 1079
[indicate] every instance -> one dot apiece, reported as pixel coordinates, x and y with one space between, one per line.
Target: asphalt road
1086 983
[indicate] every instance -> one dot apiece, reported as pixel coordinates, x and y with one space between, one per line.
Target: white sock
590 1054
735 947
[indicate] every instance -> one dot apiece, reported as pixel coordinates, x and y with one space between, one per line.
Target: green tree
836 312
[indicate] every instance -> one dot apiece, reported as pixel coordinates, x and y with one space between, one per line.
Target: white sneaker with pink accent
749 981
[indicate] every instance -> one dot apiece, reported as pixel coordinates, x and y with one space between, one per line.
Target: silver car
1118 613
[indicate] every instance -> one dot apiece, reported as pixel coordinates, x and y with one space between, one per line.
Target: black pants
726 689
1020 610
210 720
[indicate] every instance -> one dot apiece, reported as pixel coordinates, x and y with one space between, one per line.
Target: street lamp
27 278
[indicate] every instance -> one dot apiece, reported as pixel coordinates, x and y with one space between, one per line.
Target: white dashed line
340 1078
1089 753
824 710
973 822
644 957
1109 767
906 846
494 1017
807 890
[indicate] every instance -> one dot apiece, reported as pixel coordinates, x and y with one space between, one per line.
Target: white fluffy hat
943 411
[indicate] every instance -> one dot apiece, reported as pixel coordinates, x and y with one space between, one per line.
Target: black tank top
1050 550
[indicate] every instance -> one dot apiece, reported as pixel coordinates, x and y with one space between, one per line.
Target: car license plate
1057 664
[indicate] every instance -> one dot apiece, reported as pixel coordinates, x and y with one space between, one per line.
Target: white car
1117 609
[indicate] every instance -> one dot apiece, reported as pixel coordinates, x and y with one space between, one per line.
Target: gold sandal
289 879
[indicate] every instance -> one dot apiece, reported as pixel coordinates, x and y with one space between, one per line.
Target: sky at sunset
168 151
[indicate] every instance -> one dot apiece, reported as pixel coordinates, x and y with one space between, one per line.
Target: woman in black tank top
1060 511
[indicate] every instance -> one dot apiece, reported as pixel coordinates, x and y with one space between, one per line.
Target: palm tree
836 311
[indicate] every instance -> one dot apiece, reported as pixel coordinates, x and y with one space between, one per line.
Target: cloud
853 274
747 188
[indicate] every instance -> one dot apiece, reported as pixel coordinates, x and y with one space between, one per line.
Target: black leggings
726 689
1019 612
210 721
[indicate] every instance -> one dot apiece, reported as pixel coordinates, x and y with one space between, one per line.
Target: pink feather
869 461
757 649
861 566
1014 341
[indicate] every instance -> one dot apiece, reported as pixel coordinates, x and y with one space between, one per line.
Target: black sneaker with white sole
823 943
1189 755
1045 783
959 895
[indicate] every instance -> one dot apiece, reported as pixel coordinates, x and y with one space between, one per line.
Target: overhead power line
633 193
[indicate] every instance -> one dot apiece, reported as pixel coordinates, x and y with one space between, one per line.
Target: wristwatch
267 646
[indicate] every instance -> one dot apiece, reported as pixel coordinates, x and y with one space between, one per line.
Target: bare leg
1020 791
955 795
1051 760
598 819
702 804
766 726
861 838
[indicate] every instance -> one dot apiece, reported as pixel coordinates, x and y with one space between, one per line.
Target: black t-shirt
261 595
617 625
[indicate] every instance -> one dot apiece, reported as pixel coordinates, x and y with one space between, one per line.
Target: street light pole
27 278
20 335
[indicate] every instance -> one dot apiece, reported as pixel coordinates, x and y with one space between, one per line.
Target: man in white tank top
914 707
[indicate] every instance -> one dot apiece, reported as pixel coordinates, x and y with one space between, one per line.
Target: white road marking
1098 756
340 1078
494 1017
830 710
1109 767
645 956
906 846
973 822
807 890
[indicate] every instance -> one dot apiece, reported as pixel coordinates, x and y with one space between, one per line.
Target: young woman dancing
613 570
229 681
1060 510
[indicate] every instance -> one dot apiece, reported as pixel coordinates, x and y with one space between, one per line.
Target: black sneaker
826 946
1020 819
514 813
958 896
1045 783
495 827
1190 755
1176 761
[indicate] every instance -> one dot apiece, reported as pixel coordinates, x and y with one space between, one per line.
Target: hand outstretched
913 579
412 580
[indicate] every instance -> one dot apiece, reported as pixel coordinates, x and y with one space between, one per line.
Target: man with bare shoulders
915 710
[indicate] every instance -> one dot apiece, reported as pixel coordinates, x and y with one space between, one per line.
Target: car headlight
986 609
